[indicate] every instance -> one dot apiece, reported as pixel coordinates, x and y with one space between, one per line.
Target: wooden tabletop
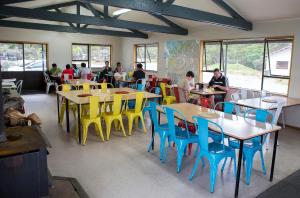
81 81
233 126
206 92
268 102
73 95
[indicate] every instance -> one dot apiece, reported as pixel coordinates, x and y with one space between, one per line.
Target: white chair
241 94
48 82
19 86
276 115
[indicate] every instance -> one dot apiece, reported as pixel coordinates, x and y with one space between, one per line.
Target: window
23 56
93 56
147 54
212 58
253 64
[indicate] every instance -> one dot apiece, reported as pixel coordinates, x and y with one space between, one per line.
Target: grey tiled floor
122 167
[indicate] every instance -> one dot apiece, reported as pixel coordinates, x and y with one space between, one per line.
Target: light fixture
121 11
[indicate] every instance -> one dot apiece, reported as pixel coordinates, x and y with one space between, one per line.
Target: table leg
79 123
67 115
274 155
58 112
238 174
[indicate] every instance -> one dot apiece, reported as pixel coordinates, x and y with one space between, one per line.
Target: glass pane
151 57
140 54
279 62
244 65
34 55
80 52
207 76
276 85
99 54
211 56
11 57
78 63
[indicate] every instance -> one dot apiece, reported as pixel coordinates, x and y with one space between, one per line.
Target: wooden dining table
79 82
268 103
206 92
233 126
75 96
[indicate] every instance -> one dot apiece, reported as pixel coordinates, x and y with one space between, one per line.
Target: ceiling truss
78 23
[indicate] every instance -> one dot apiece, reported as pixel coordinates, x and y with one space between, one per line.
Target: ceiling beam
176 11
98 13
170 1
4 2
60 28
168 22
228 9
40 14
58 10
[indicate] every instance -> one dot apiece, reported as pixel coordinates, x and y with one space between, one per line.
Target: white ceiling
252 10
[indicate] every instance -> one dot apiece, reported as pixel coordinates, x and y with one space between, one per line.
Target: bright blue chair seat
214 151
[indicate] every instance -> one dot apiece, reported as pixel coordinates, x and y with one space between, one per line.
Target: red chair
205 102
176 94
89 76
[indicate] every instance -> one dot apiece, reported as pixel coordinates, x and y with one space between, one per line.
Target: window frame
23 43
89 53
266 45
144 45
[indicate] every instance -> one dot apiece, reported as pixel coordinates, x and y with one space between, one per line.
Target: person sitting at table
76 70
54 73
84 72
220 83
106 74
118 75
139 73
68 71
186 86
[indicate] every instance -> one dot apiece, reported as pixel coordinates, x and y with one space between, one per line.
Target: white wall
260 29
59 44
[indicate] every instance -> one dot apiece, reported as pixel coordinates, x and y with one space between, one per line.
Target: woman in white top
84 71
186 86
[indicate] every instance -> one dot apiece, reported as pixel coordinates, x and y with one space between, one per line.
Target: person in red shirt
68 71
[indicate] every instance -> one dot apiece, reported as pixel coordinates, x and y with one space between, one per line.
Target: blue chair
253 145
181 139
147 107
214 152
161 129
229 108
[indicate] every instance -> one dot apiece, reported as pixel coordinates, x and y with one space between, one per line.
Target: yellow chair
114 115
72 106
104 86
166 99
137 112
86 87
94 116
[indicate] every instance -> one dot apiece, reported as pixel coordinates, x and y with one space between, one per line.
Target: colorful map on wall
181 56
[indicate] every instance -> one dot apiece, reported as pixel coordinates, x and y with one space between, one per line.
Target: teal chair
161 129
254 145
214 151
181 139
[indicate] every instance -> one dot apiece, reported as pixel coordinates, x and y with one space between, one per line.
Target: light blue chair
253 145
229 108
147 107
214 151
161 129
181 139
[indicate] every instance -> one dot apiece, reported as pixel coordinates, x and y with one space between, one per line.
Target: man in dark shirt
106 75
138 73
220 83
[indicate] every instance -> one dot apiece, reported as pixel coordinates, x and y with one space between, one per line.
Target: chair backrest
64 87
117 104
19 86
153 82
46 78
202 130
86 86
94 107
265 93
261 115
139 101
163 89
153 114
228 107
141 84
156 91
278 112
170 114
104 86
239 95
